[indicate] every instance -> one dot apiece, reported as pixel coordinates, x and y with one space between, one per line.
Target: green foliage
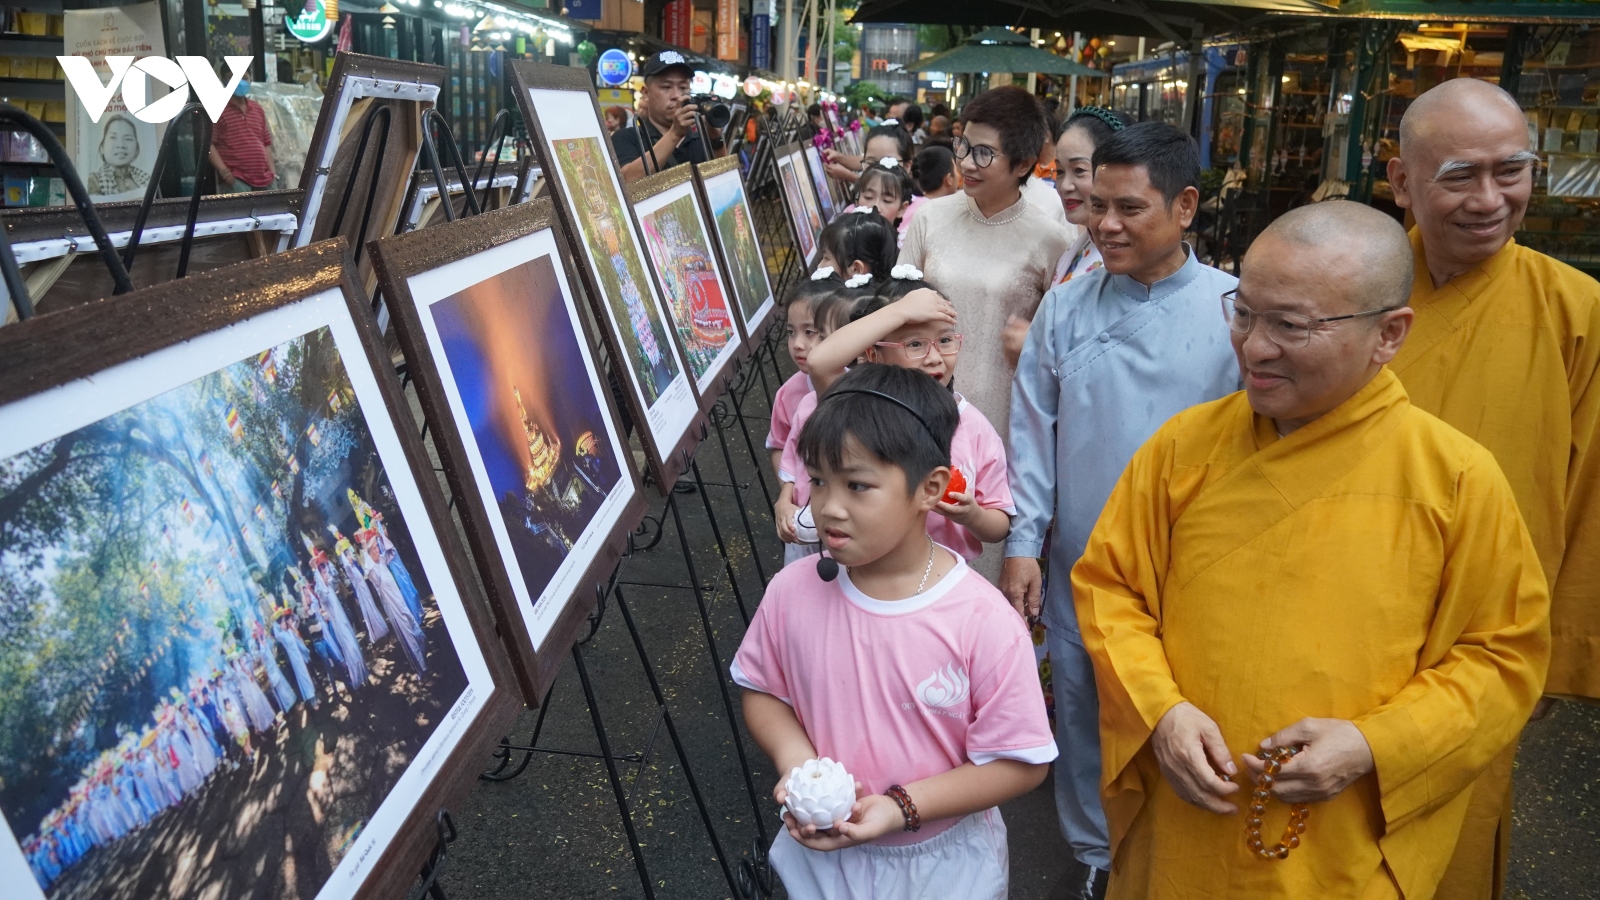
846 37
939 38
862 92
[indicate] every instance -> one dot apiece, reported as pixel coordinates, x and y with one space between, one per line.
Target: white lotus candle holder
821 793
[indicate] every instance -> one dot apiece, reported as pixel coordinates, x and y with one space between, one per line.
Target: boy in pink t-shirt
910 325
906 667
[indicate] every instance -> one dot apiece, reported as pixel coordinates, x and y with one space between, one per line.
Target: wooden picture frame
677 238
794 183
357 88
58 259
563 117
828 202
744 260
206 384
494 296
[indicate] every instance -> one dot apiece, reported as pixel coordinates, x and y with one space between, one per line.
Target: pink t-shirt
901 690
783 404
791 467
975 449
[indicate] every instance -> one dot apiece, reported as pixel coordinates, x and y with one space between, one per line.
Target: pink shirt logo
945 688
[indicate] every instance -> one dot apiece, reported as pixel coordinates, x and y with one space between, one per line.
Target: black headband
892 399
1104 115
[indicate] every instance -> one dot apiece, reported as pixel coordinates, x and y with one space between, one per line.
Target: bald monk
1313 563
1505 348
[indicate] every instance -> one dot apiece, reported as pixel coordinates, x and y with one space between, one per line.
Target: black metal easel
202 165
15 119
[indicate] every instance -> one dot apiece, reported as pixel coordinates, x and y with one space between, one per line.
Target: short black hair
1052 124
837 308
912 116
895 176
890 291
1018 117
902 138
1170 157
864 236
882 427
933 165
814 109
807 290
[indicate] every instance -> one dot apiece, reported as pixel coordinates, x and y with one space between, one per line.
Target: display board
829 205
487 312
800 200
743 260
250 657
581 170
678 238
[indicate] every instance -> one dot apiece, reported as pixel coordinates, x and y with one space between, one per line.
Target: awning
1173 20
1514 11
1002 50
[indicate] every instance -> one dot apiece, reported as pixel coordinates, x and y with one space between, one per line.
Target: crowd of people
239 692
1319 532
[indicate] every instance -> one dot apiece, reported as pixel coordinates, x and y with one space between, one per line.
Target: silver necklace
1021 206
925 572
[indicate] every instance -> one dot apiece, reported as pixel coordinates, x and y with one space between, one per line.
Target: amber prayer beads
1298 813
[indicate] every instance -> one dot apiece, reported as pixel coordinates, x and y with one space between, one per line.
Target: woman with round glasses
988 249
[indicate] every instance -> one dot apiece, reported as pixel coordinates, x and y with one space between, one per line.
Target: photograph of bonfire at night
535 416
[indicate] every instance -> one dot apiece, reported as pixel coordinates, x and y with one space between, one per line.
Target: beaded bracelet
1298 813
907 808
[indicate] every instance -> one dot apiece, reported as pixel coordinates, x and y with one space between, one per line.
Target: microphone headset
827 566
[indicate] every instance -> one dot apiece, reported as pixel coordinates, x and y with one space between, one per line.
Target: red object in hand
958 485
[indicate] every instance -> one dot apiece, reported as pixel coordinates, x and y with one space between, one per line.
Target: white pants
966 861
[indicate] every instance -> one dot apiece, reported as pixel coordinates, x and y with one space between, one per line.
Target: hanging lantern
588 52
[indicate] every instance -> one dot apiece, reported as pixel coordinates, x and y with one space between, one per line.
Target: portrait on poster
685 265
116 154
735 231
229 621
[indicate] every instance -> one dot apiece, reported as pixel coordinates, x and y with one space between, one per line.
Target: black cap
663 62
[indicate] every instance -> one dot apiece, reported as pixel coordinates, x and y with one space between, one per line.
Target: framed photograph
239 648
820 181
487 312
358 88
63 268
678 238
581 172
804 216
743 261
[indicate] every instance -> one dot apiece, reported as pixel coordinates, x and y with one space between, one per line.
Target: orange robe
1507 352
1371 566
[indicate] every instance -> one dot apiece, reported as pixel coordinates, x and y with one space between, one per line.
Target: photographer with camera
667 133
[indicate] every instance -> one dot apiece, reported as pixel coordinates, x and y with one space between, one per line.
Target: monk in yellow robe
1505 347
1316 564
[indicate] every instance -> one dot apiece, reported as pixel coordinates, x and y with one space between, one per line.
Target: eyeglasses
1286 329
982 154
917 348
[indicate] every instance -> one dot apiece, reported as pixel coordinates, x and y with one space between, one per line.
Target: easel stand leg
429 885
677 745
718 413
720 671
611 772
722 547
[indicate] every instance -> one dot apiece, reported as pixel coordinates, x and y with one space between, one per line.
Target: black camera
717 113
